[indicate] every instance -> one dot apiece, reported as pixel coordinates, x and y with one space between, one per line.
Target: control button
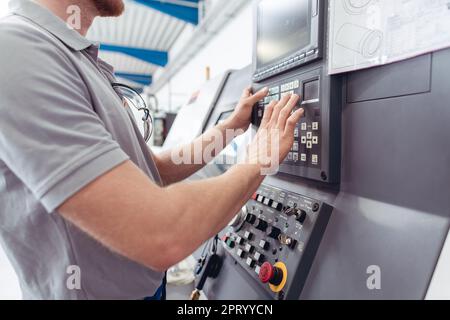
249 248
250 262
295 146
315 140
287 93
303 157
230 243
303 140
257 269
296 84
270 274
274 90
264 244
273 232
302 56
240 253
309 135
258 257
310 53
296 133
301 216
309 145
315 126
304 126
260 224
277 206
267 202
289 156
240 241
260 113
248 235
250 219
315 159
295 157
260 198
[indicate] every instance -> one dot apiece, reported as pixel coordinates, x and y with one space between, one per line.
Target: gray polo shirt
61 126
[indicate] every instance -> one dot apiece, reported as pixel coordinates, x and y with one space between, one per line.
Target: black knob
273 232
250 218
301 216
260 224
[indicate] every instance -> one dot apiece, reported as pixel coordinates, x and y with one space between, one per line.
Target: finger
268 114
292 121
261 94
276 111
287 111
247 92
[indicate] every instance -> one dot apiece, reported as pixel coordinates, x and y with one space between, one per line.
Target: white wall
230 49
3 8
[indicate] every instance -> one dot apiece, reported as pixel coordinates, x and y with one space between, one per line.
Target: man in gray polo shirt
80 192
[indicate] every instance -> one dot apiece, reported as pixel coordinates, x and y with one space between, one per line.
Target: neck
80 19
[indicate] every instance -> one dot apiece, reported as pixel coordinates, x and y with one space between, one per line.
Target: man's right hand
275 136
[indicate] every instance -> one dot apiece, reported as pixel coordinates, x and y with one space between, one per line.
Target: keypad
306 149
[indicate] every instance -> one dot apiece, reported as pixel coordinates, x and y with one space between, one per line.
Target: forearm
155 226
195 155
211 204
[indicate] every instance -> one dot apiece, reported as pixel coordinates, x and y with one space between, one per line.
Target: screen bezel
316 39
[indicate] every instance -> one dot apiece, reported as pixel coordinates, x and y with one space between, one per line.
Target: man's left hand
241 117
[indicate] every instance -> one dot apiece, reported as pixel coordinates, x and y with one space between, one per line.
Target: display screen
284 27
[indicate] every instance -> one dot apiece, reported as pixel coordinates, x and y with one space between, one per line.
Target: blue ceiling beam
159 58
142 79
183 12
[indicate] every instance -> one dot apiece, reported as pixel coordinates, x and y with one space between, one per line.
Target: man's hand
241 117
275 136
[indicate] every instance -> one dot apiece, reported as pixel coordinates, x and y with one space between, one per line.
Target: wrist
251 170
229 124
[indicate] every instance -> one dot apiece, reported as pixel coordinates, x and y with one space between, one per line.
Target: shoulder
24 42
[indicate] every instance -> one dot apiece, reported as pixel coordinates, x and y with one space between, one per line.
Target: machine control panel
275 238
315 153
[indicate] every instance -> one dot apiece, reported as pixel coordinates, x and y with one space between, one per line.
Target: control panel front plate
281 232
315 153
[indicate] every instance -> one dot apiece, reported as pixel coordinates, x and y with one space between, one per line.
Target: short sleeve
50 136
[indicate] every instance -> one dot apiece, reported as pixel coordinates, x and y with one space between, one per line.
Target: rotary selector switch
260 224
273 232
239 219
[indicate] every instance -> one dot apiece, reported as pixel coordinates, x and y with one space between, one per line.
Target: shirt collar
50 22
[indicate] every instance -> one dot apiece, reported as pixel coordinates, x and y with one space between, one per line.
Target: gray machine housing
391 209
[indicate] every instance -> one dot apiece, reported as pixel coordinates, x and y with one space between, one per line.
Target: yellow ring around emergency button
280 287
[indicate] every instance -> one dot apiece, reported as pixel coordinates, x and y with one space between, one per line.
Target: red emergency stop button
270 274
